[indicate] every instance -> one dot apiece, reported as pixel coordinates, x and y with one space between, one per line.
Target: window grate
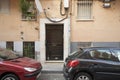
84 9
10 45
29 49
4 6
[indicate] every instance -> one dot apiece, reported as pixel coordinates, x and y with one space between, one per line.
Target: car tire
9 77
83 76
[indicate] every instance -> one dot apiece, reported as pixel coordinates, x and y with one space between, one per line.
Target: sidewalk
52 71
51 76
52 67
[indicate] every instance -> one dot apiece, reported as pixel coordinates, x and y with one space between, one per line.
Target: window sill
28 19
85 20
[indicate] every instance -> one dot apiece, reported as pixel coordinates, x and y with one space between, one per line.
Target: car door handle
95 65
92 65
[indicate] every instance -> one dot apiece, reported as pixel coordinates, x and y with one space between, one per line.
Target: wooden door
54 41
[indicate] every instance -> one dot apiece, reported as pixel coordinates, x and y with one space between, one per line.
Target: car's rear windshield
117 53
76 53
7 54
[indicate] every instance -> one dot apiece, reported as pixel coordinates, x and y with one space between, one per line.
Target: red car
13 67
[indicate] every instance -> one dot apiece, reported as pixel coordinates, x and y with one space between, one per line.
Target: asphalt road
51 76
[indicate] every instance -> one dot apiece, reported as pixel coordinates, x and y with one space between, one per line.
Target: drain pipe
67 5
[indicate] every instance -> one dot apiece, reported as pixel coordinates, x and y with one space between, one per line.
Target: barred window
10 45
4 6
29 49
84 9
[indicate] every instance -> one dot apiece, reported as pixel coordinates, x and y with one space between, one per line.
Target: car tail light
72 63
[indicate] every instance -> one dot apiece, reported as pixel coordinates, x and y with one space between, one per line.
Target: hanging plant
28 10
24 6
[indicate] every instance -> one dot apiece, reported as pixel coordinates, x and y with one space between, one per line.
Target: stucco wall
104 27
52 8
11 25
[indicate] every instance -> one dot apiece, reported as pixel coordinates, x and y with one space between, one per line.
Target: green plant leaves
24 6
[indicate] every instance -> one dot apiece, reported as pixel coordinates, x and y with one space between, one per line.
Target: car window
116 54
101 54
76 53
85 55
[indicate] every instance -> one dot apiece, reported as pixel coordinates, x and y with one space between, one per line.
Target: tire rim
9 78
83 78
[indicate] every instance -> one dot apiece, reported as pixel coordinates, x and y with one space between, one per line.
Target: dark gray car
96 63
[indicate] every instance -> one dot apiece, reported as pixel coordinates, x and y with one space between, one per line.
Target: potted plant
27 9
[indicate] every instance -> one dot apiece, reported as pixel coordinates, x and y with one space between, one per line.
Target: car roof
90 48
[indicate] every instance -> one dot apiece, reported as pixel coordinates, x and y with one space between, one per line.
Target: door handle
95 65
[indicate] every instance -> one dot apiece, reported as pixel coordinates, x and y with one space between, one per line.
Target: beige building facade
49 36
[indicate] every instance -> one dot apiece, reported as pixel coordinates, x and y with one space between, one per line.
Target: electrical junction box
66 3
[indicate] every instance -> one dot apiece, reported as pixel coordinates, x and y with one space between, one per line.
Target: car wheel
10 77
83 76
